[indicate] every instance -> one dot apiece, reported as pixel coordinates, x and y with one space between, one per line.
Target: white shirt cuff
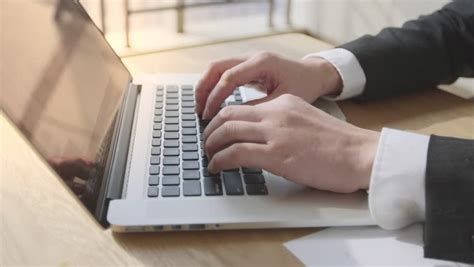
352 74
397 183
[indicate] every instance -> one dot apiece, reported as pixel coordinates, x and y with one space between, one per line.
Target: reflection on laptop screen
62 85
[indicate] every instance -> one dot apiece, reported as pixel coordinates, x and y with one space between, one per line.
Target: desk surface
42 223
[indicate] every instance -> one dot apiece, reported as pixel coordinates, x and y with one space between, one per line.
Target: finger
241 154
210 79
236 113
245 72
234 132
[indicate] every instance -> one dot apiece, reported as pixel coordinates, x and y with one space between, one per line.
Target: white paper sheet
363 246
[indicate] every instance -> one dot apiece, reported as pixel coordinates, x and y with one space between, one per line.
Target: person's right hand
274 75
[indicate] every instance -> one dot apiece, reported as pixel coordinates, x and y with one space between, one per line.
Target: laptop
131 148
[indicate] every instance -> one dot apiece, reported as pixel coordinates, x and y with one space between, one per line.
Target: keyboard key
170 180
185 87
191 175
190 156
206 173
233 183
187 93
171 161
238 98
171 128
254 178
188 124
157 134
233 103
172 88
172 107
158 112
187 104
190 165
171 143
158 119
159 88
153 180
236 91
172 114
170 170
187 111
159 93
187 98
191 188
154 169
187 131
190 147
159 99
256 189
155 151
205 161
171 135
157 126
189 139
154 160
251 170
170 191
159 105
171 152
173 101
172 95
172 121
232 170
156 142
188 117
212 186
152 191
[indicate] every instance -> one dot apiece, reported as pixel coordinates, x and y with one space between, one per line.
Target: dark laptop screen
61 84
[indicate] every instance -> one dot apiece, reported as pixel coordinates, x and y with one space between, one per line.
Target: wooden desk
42 223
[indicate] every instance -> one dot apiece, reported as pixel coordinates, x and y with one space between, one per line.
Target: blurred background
168 24
142 26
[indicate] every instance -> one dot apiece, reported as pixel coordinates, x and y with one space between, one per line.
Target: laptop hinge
115 169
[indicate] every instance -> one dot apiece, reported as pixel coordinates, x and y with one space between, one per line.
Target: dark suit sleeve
433 50
449 225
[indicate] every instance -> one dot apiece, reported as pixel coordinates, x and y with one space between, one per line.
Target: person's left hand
291 138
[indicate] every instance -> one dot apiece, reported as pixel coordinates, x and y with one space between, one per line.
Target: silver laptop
131 149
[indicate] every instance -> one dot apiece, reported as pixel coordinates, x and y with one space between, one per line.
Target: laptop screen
62 85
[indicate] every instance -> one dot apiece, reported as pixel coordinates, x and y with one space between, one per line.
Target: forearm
424 53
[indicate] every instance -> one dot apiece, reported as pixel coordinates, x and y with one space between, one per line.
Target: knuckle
229 128
287 97
265 56
213 65
227 113
290 100
228 76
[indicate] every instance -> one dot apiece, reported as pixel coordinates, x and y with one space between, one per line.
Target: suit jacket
424 53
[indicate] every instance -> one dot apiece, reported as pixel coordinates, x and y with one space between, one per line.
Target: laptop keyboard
178 163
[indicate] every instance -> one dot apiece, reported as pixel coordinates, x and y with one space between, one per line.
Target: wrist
329 77
364 157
